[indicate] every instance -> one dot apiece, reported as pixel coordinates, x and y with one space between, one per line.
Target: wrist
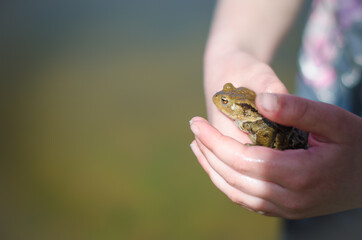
219 48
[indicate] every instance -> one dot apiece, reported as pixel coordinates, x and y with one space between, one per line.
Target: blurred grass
96 141
104 154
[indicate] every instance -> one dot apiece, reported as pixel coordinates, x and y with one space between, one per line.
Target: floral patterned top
330 70
330 60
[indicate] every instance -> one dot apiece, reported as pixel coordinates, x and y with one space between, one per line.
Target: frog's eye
224 100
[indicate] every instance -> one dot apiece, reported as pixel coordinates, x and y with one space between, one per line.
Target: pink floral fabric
324 44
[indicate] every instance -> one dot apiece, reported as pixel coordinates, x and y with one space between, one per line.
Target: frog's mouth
214 98
228 113
247 107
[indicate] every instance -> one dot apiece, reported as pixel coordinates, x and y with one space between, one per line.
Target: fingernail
193 146
194 129
269 101
195 149
191 121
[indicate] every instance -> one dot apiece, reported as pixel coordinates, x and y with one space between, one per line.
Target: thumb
318 118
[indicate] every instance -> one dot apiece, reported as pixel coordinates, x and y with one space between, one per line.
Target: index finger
258 162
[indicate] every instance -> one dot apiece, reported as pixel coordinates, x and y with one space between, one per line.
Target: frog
239 105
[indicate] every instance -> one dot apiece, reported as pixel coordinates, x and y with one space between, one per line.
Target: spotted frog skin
239 105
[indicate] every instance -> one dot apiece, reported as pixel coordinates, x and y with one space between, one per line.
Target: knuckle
294 206
235 162
300 182
299 109
297 206
231 179
215 148
234 198
260 206
265 170
264 192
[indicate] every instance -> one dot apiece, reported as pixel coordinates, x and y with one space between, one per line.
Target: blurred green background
95 102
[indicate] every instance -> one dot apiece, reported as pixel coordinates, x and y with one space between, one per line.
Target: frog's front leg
265 137
260 133
252 137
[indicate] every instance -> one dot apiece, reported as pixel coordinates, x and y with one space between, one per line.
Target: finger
250 202
252 186
273 193
315 117
200 157
257 162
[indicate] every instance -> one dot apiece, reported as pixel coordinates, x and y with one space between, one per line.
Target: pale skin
292 184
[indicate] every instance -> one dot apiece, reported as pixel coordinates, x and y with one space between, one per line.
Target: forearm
255 27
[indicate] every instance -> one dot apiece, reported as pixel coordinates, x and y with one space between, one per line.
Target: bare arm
243 37
255 27
292 183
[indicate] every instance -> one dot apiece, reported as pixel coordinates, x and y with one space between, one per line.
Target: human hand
241 69
326 178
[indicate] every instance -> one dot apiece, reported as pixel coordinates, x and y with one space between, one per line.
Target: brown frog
239 105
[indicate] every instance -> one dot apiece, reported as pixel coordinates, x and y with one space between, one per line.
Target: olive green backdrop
95 102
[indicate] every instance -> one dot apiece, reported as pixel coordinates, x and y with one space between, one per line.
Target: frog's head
237 103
